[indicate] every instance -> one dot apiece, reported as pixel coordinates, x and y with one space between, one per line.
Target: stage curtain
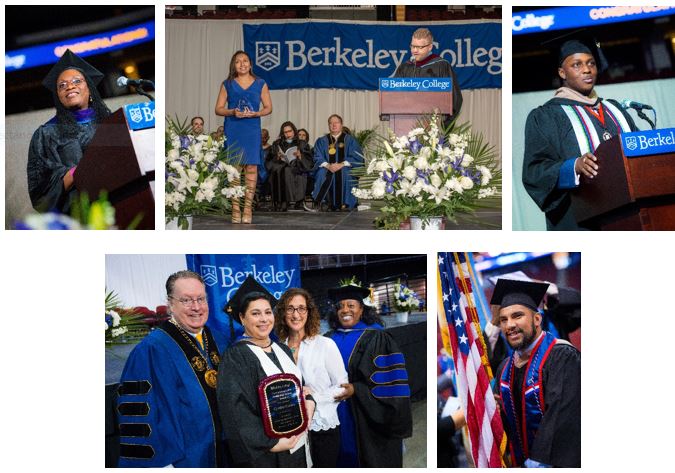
198 54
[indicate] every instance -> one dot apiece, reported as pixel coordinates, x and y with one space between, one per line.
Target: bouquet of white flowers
429 173
122 325
406 299
200 176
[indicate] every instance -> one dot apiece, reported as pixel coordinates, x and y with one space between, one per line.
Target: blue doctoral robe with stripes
551 146
341 183
378 416
173 422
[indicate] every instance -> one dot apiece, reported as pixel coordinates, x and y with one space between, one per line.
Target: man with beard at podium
423 63
561 136
57 146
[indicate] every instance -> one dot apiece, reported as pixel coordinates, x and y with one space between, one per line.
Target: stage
484 219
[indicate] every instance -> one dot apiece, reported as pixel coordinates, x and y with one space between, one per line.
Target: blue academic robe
169 419
342 192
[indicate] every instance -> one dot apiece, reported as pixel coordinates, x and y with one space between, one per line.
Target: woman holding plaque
375 410
287 164
298 323
239 102
248 411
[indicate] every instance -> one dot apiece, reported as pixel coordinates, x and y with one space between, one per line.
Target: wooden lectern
628 193
110 164
403 108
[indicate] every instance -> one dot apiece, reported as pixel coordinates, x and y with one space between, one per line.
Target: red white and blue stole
523 425
584 128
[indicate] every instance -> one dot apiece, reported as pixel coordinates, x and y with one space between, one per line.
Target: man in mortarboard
539 384
424 63
375 413
167 407
57 146
561 136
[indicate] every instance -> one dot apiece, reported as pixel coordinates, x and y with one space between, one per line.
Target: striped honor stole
523 425
584 128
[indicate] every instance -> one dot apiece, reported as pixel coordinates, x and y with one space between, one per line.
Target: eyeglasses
188 302
63 85
413 46
302 310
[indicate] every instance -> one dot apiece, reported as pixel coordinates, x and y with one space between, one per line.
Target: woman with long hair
297 323
239 100
57 146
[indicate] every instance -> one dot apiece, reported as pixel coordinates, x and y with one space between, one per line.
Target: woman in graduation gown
335 154
57 146
249 360
288 180
298 323
375 415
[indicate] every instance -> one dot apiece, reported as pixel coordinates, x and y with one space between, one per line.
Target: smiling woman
57 146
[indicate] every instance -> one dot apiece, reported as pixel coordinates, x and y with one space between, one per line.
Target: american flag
456 313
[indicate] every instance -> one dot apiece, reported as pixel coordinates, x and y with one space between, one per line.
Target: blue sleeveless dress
243 134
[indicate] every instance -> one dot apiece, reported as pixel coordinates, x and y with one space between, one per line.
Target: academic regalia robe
558 439
167 412
336 188
378 416
239 374
50 156
288 181
550 142
434 66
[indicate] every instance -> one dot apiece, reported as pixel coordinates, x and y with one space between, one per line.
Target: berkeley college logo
631 143
136 114
209 275
267 54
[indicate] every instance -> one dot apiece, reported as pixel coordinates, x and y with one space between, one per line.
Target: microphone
125 81
635 105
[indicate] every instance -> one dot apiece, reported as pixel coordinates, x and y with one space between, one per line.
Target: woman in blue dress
239 102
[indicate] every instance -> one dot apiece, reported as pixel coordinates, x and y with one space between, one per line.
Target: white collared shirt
322 369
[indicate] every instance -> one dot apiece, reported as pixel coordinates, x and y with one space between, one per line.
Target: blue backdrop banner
224 274
355 56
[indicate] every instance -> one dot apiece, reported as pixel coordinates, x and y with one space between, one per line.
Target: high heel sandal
236 213
247 215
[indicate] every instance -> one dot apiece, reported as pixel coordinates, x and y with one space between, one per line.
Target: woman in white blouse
297 323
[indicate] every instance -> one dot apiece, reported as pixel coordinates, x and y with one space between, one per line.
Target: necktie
200 340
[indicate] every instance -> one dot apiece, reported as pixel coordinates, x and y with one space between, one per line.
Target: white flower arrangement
200 179
406 299
119 322
428 173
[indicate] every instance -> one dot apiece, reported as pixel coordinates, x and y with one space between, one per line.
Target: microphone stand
140 91
642 115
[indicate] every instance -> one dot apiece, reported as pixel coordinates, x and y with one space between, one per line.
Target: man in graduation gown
335 154
561 136
167 408
424 63
539 385
57 146
375 413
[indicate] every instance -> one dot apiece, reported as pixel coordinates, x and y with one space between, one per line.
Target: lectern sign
283 405
416 84
140 115
643 143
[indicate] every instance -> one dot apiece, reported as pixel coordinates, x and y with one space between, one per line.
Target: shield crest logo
136 115
209 275
267 54
631 143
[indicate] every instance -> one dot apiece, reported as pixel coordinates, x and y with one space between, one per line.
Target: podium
629 193
120 160
404 99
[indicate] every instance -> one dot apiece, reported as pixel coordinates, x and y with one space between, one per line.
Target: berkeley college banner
224 274
355 56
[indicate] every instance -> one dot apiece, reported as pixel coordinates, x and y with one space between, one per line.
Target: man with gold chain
335 154
561 136
167 406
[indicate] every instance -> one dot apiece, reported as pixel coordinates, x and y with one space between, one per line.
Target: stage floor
299 220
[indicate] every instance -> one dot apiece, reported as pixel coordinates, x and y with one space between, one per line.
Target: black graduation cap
578 41
356 293
513 291
70 60
249 286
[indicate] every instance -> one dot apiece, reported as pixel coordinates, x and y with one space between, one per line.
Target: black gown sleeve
45 171
558 440
457 99
307 162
